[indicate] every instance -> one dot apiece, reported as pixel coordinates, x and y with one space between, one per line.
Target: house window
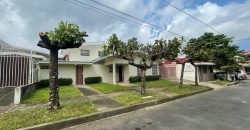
154 70
204 69
211 69
110 69
84 52
100 53
138 72
43 67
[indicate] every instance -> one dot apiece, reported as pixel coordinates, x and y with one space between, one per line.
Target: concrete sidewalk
101 101
211 85
6 98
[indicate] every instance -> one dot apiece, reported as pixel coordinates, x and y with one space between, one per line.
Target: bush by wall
61 81
134 79
65 81
91 80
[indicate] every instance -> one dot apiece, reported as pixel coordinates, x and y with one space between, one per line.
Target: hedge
134 79
91 80
61 81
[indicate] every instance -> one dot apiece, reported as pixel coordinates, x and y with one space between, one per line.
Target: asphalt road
225 109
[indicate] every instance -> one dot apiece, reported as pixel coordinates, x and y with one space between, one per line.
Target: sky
22 20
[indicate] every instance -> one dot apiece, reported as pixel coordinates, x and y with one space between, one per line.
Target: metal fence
17 70
168 71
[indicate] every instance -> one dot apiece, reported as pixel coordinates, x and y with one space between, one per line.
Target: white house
89 61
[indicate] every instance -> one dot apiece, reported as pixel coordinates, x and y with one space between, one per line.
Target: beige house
89 61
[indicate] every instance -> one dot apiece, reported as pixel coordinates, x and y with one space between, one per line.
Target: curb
100 115
233 83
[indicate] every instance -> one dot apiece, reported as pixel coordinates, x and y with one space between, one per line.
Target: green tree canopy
141 55
218 49
66 35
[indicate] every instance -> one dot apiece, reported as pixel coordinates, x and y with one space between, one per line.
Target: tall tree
170 51
195 51
66 35
137 54
218 49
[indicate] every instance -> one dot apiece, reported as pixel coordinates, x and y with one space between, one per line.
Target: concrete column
114 74
17 96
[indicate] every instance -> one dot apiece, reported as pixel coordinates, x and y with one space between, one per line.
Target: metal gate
168 71
17 70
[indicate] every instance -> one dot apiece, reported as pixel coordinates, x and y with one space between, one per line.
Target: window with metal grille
100 53
85 52
43 67
154 70
110 69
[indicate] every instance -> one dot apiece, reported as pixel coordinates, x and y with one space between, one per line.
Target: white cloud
22 20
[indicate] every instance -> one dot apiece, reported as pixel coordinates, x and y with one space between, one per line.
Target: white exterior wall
103 71
94 70
65 71
189 73
75 53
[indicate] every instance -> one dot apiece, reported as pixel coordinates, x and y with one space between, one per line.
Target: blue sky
22 20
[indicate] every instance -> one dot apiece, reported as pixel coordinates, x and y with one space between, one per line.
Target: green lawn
134 98
221 82
159 83
31 117
187 88
108 88
42 94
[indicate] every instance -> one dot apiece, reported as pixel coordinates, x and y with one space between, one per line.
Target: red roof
246 52
181 60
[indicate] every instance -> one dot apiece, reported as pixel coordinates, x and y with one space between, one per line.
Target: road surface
225 109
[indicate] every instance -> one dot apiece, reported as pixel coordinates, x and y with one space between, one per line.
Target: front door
120 71
79 75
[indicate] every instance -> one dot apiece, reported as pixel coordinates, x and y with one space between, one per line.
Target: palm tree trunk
53 80
182 74
143 81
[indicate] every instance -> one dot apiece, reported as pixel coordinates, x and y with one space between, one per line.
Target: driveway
224 109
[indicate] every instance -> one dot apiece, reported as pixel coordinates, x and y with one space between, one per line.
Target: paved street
224 109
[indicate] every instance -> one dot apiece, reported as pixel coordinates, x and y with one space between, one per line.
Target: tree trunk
143 81
182 74
53 81
195 74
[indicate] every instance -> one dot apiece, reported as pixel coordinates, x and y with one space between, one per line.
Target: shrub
153 77
43 83
134 79
61 81
65 81
91 80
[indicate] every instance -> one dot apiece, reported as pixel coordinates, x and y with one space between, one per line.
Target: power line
191 16
135 17
106 13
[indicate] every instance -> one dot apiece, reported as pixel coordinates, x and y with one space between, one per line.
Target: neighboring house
171 70
246 64
89 61
18 66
